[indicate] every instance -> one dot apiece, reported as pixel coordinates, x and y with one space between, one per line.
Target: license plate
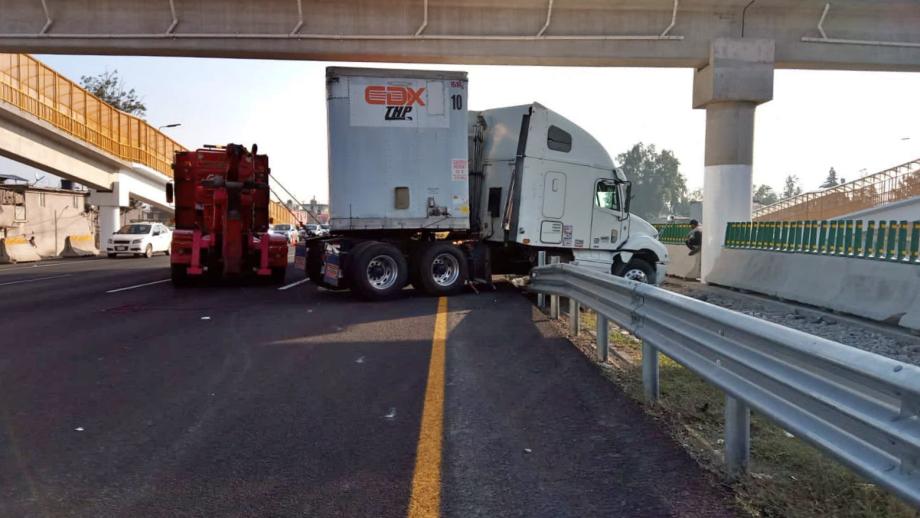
120 248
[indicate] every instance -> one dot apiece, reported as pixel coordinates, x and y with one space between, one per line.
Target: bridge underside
852 34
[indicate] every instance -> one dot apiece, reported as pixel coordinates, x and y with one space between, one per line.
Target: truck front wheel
379 271
637 270
441 269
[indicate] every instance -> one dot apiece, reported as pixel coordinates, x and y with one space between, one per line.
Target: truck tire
637 270
378 271
441 269
179 275
278 275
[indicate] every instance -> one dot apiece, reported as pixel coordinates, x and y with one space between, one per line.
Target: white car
283 229
140 239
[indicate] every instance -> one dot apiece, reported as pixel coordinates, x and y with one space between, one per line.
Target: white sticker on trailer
397 103
459 171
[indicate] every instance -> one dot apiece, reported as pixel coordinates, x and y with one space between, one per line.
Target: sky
857 122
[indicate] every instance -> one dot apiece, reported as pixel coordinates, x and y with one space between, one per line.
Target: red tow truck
221 196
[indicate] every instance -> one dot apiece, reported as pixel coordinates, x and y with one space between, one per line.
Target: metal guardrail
897 183
861 408
33 87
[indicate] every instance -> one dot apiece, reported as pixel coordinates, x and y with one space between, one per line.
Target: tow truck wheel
379 271
278 275
638 270
441 269
179 275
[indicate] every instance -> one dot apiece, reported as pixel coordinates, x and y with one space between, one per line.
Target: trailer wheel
441 269
378 271
637 270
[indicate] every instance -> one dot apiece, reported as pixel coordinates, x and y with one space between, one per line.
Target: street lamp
173 125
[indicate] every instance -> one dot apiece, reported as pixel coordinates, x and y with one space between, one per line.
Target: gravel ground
868 336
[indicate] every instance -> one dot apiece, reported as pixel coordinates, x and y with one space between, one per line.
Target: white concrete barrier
885 291
682 264
17 249
80 245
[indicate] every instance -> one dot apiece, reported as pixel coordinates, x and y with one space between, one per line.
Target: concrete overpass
733 44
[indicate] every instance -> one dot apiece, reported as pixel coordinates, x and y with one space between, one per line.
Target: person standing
694 239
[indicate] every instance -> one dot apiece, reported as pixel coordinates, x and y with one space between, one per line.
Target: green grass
787 477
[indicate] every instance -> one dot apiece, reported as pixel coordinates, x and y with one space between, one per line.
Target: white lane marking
34 280
40 265
291 285
126 288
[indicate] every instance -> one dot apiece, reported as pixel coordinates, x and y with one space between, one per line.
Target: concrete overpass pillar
739 76
109 204
109 223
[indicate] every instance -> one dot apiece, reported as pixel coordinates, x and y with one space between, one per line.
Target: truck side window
606 196
558 139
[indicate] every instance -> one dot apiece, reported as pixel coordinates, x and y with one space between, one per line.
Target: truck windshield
606 196
134 229
282 227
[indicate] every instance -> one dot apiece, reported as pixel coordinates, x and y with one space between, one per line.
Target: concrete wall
683 265
50 217
908 210
878 290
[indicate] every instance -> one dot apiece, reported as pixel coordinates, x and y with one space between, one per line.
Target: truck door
608 225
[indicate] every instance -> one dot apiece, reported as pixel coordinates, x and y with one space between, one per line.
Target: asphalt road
122 396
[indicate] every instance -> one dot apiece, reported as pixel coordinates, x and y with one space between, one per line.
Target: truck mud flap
332 269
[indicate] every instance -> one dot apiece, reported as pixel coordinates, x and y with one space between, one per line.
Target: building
316 212
46 216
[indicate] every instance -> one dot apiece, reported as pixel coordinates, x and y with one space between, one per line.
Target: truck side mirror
169 192
627 198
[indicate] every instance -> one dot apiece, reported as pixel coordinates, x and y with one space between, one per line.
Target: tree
791 187
658 186
111 89
831 180
765 195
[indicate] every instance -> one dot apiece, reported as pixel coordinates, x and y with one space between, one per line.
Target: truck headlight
136 241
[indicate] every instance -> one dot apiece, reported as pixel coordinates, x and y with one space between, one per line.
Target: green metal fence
897 241
672 233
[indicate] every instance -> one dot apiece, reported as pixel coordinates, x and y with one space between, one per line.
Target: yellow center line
425 501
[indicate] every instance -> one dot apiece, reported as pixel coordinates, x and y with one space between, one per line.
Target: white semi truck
423 191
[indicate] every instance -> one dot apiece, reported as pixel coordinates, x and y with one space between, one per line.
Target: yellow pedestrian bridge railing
895 184
33 87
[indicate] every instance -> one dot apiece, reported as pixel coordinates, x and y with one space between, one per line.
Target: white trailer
423 191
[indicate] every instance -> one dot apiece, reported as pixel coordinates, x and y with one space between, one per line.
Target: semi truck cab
549 184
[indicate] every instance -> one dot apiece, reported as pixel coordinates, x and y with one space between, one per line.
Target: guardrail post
650 371
541 261
737 437
574 323
603 334
554 299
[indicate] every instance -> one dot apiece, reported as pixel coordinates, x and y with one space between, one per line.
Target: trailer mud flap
300 257
332 269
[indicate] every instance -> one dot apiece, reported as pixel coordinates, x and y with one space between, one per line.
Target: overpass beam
739 76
